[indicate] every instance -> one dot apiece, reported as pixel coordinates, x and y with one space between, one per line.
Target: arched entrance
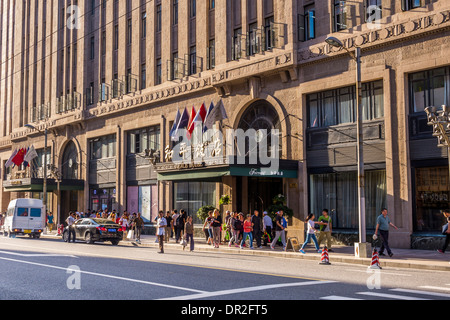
69 173
260 116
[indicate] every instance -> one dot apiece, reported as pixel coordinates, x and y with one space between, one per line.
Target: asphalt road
49 269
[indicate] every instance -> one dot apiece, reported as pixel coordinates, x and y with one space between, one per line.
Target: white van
25 217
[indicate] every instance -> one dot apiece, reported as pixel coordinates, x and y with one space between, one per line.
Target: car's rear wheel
65 236
88 238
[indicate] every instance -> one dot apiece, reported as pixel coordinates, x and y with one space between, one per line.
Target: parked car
93 230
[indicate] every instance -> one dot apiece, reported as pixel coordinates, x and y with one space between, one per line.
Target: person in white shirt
161 225
70 221
310 234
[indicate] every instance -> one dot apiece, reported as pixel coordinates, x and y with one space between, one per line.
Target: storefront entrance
257 193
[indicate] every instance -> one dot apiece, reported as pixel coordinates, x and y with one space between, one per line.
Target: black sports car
93 229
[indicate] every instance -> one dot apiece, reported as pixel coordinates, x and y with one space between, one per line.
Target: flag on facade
9 163
218 113
175 125
183 123
201 115
26 163
191 124
211 107
18 158
30 155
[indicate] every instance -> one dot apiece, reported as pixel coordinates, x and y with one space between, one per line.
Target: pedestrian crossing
396 294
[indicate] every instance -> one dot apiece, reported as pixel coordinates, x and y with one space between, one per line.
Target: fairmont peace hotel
106 79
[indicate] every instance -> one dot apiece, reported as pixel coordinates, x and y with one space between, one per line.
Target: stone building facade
107 78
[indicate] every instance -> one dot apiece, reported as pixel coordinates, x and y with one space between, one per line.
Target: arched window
70 162
261 115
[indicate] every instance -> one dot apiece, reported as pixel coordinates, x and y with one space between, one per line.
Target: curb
334 257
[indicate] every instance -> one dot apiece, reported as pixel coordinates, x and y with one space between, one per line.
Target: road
49 269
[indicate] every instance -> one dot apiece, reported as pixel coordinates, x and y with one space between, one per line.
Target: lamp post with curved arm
356 56
44 187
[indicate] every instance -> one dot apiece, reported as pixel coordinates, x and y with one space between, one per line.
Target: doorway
69 202
261 192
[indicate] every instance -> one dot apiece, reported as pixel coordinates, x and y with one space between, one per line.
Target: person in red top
248 228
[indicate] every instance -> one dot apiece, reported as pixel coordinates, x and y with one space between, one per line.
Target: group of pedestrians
175 224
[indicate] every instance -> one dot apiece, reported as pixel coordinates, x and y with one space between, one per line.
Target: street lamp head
30 126
335 42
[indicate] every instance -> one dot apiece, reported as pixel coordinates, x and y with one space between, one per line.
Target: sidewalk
403 258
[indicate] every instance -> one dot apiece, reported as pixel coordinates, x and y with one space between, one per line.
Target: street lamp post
362 248
44 187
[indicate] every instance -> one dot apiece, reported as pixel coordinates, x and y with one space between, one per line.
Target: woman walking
207 227
311 233
216 225
248 232
189 230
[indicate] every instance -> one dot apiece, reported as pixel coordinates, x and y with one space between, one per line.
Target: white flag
31 154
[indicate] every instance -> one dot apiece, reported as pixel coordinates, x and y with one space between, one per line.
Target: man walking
168 227
279 231
325 230
161 225
138 226
267 227
383 223
257 224
70 221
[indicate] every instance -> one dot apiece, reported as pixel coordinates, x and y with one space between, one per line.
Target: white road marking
37 254
389 296
436 294
106 276
249 289
382 272
435 288
338 298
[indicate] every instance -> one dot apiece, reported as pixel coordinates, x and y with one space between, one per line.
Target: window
338 106
429 88
92 47
373 10
211 63
237 49
144 25
175 12
143 76
103 147
432 193
310 22
253 39
191 196
410 4
144 139
193 8
340 15
92 7
192 60
22 212
338 192
158 18
116 37
35 212
129 31
158 79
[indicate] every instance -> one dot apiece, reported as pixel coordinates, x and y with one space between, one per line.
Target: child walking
311 233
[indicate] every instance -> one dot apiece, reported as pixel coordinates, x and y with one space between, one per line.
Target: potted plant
202 213
225 200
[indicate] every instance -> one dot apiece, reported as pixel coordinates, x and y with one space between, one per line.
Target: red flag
202 112
191 124
18 158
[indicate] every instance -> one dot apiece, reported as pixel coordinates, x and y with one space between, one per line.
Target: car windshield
103 221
